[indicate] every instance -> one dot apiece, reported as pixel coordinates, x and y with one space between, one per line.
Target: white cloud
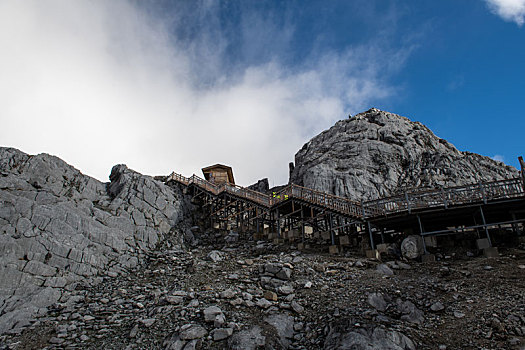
498 158
509 10
103 82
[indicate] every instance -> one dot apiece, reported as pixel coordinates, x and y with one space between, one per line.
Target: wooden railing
330 201
446 197
409 201
252 195
238 191
335 203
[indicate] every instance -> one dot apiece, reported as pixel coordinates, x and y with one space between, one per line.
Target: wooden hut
218 174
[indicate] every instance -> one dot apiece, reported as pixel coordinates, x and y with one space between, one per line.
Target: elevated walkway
336 219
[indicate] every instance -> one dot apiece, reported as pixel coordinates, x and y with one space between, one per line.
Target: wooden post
237 219
332 233
302 223
522 165
278 224
212 211
257 219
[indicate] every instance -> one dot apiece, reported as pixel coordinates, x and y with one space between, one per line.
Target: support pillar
278 224
332 234
515 225
421 231
302 224
257 221
485 226
372 244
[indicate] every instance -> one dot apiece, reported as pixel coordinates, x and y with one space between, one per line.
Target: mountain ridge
378 154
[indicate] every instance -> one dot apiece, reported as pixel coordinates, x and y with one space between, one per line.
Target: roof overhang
206 171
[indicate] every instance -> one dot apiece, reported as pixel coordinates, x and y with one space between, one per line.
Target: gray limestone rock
222 333
377 301
174 342
211 312
410 312
192 331
297 307
343 337
384 269
283 324
436 307
263 303
412 247
249 339
262 186
376 154
215 256
59 227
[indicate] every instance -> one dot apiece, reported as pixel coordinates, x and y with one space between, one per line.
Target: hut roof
206 171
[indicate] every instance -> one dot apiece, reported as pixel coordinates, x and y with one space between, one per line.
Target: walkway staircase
482 193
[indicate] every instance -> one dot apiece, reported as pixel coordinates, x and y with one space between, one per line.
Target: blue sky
179 85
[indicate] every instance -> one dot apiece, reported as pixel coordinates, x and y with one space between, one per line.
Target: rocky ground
60 228
248 295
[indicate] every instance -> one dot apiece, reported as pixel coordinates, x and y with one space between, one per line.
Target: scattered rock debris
278 301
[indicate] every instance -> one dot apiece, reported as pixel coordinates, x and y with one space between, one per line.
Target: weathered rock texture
59 227
262 186
377 154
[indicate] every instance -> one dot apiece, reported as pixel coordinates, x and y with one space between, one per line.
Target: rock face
262 186
59 228
376 154
363 339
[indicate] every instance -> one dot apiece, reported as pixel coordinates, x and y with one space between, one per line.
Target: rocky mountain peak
377 153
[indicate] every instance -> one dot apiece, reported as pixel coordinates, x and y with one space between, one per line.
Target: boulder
344 336
412 247
192 331
248 339
377 301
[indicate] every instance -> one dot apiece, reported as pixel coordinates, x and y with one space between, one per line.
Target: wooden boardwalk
470 208
482 193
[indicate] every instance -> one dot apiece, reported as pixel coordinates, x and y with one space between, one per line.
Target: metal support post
409 208
372 244
332 234
302 223
515 225
485 226
421 231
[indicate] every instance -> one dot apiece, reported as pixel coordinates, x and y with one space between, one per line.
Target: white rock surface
59 228
376 154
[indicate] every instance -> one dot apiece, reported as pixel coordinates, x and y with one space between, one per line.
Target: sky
168 86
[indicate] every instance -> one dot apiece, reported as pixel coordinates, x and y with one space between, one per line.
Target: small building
218 174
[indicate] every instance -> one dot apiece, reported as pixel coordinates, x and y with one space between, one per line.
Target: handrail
444 197
457 195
